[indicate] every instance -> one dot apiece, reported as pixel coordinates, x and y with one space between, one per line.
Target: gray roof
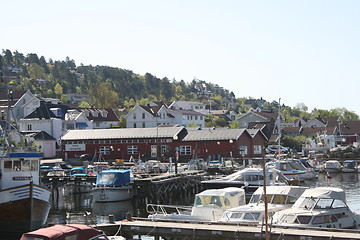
214 134
122 133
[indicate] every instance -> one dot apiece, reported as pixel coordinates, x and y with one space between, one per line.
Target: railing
167 209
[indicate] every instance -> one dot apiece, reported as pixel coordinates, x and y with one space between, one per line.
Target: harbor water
70 207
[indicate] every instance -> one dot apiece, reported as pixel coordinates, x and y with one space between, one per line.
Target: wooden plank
209 230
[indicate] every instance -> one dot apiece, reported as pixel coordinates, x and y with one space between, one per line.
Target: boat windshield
274 199
212 201
307 203
252 216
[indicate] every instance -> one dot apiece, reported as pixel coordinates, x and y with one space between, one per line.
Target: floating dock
209 230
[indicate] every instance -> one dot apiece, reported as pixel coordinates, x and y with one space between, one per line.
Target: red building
164 142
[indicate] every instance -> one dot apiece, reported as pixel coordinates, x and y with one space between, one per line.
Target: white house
152 116
22 103
102 118
188 105
76 120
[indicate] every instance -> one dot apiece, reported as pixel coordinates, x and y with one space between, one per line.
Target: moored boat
64 232
24 204
277 198
319 207
349 166
113 185
332 166
209 205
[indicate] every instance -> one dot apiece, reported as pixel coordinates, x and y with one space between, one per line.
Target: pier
168 187
209 230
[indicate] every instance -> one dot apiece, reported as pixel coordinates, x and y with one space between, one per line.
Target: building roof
44 112
122 133
15 96
110 114
214 134
42 135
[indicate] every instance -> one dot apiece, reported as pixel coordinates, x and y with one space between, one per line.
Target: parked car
275 149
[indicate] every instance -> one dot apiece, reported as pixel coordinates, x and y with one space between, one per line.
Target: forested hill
41 76
115 87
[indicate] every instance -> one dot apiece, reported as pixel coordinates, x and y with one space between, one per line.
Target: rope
117 232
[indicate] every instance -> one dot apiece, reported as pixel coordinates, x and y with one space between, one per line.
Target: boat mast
279 129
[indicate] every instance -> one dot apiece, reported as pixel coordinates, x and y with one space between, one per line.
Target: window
143 125
185 150
25 165
134 125
257 149
29 127
7 166
104 150
164 149
243 150
143 115
134 116
132 150
34 165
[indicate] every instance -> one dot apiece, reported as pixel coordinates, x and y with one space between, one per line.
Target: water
69 207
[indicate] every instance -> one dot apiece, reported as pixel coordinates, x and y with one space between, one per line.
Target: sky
297 51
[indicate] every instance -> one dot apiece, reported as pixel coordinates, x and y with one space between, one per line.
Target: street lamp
175 138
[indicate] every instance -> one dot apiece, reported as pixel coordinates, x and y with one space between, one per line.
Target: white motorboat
332 166
209 205
113 185
293 168
319 207
24 204
277 198
249 178
349 166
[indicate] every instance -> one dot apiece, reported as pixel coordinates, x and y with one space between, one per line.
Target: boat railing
167 209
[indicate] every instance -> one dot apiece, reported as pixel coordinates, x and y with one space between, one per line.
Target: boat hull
24 208
113 194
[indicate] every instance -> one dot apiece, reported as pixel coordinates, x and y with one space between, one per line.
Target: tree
58 90
103 96
234 125
84 104
36 71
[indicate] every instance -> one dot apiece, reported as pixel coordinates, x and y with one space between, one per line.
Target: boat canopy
224 198
325 192
113 177
63 232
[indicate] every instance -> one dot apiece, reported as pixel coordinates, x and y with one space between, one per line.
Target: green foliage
84 104
234 125
294 142
125 88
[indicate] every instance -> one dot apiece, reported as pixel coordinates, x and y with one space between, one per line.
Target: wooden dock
168 188
186 230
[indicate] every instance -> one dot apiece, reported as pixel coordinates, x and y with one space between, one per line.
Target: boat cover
62 232
294 191
113 177
325 192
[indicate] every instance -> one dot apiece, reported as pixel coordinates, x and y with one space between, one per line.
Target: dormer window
95 114
104 114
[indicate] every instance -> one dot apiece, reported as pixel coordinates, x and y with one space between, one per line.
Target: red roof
60 232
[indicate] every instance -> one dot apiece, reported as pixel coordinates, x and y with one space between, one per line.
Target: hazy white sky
300 51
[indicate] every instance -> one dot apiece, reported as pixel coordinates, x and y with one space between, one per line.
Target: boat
277 198
113 185
293 168
65 232
332 166
349 166
209 205
249 178
24 204
319 207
